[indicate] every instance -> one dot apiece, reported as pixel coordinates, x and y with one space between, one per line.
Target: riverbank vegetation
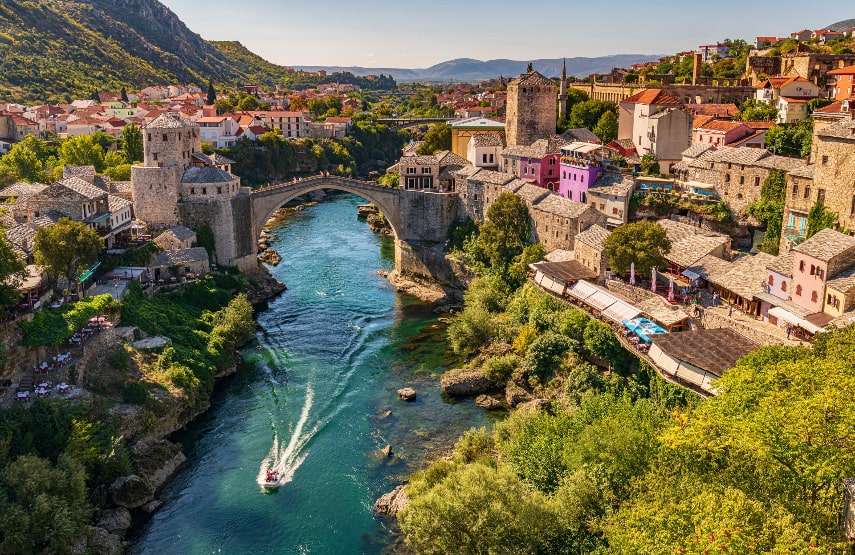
607 457
54 454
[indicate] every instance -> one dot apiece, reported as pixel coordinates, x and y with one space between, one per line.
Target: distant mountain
840 25
466 69
56 48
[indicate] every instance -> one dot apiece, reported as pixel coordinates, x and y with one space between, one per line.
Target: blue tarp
643 328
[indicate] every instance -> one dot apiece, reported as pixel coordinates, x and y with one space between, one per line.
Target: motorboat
273 478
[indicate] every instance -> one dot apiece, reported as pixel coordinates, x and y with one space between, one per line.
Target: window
727 177
165 138
820 195
564 176
807 192
219 190
155 155
824 160
614 210
425 170
795 190
491 158
830 299
411 170
756 181
484 158
801 265
192 190
742 180
784 286
149 137
852 207
814 297
204 190
799 290
771 281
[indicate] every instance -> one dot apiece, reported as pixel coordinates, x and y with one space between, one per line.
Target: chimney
696 70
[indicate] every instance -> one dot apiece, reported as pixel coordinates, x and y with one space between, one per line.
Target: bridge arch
268 200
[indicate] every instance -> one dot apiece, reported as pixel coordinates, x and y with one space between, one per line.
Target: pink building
817 260
538 164
581 165
723 133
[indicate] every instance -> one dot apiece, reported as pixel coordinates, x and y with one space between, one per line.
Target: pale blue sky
406 34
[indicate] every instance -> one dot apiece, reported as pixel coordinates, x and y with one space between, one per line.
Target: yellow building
463 130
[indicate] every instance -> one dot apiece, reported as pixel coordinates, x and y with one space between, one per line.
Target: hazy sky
407 34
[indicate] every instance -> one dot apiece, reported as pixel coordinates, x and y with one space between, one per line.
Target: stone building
590 249
180 262
610 195
531 109
178 237
429 172
175 185
737 174
834 166
799 200
814 66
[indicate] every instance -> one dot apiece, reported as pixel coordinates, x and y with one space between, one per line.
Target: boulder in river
407 394
516 395
392 502
466 383
386 451
487 402
131 491
113 520
97 540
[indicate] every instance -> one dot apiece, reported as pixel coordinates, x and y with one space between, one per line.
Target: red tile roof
848 70
721 125
652 96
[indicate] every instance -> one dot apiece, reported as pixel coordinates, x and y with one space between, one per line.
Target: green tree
212 93
317 106
223 105
649 164
248 102
24 161
131 144
755 110
769 209
124 94
473 510
12 272
543 355
66 248
600 340
644 243
44 506
607 127
82 150
470 330
437 138
792 139
588 113
507 230
819 218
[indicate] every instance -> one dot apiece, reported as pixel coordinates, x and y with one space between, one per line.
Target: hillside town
744 179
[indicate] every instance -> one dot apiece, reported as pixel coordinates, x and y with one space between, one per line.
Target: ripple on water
325 366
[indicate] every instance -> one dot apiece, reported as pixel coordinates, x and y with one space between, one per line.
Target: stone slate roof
844 281
122 187
531 194
81 187
214 159
580 135
206 174
411 148
21 190
826 244
82 172
840 130
516 184
46 219
559 206
489 176
419 160
117 204
715 351
734 155
616 184
747 275
180 256
532 78
780 162
677 230
487 139
804 171
168 121
690 249
697 149
595 236
657 308
182 233
711 267
447 158
22 236
783 264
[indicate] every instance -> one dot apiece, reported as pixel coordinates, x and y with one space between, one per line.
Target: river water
331 353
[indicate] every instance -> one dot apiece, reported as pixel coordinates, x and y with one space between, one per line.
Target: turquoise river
331 353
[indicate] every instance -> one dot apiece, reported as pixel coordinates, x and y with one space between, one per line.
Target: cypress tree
212 94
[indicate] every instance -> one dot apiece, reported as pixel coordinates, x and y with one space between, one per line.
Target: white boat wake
286 460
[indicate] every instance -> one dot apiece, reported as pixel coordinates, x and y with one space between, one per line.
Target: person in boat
272 475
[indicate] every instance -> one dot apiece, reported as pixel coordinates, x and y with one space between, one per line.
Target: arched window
771 281
813 296
784 286
799 290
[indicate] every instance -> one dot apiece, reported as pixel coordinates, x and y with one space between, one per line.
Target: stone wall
711 319
530 115
424 259
426 216
156 195
833 177
737 92
170 146
219 217
558 231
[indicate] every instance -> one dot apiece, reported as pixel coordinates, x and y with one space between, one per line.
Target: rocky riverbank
443 299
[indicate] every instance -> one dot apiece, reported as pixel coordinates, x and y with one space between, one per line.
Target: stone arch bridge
419 220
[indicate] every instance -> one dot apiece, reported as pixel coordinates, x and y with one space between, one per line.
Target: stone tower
562 93
169 143
531 109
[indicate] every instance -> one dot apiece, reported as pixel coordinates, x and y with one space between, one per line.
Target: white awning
582 290
600 300
691 275
620 311
791 318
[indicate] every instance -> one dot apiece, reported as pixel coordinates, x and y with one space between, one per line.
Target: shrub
542 355
499 369
135 393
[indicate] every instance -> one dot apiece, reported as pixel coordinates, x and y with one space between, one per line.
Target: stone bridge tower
531 109
169 143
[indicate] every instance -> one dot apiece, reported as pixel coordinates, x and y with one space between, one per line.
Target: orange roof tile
652 96
721 125
848 70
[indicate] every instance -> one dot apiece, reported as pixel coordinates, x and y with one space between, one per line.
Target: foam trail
286 461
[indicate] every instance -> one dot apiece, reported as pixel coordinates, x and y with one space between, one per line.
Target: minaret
562 94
